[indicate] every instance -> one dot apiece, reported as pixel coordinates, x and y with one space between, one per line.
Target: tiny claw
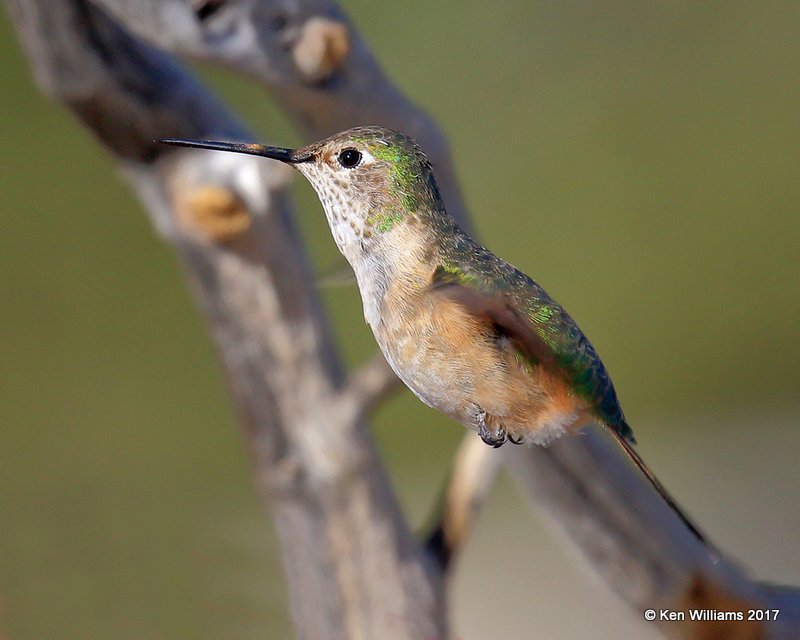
494 439
514 440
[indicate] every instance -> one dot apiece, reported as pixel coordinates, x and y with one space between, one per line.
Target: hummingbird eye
349 158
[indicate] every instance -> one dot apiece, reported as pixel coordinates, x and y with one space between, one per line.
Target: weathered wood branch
347 550
638 546
369 385
474 469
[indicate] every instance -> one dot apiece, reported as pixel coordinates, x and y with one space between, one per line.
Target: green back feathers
538 328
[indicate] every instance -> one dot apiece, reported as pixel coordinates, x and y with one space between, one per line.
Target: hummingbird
468 333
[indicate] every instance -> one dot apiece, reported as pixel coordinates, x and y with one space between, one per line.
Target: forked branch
353 569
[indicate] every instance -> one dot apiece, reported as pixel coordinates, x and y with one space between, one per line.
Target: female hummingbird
467 332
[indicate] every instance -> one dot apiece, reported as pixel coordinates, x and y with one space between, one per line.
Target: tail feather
627 447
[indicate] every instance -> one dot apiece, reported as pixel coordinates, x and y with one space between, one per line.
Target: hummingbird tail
627 447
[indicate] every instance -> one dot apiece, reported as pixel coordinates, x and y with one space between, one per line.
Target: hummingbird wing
512 305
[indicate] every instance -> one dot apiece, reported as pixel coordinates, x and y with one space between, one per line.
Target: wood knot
204 9
321 48
215 213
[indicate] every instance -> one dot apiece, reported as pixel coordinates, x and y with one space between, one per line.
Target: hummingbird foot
494 438
514 440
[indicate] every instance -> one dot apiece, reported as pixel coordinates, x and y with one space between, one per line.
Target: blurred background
639 159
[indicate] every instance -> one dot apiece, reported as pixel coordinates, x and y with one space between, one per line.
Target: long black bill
276 153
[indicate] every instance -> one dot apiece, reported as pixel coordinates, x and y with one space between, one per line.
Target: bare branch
369 385
472 477
317 467
634 541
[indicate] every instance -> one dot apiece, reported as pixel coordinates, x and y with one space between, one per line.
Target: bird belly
450 361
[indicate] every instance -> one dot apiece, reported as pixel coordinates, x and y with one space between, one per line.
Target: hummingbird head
370 180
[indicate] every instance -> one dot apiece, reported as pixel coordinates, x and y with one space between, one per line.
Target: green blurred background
640 159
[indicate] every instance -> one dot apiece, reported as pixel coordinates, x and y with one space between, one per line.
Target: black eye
349 158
